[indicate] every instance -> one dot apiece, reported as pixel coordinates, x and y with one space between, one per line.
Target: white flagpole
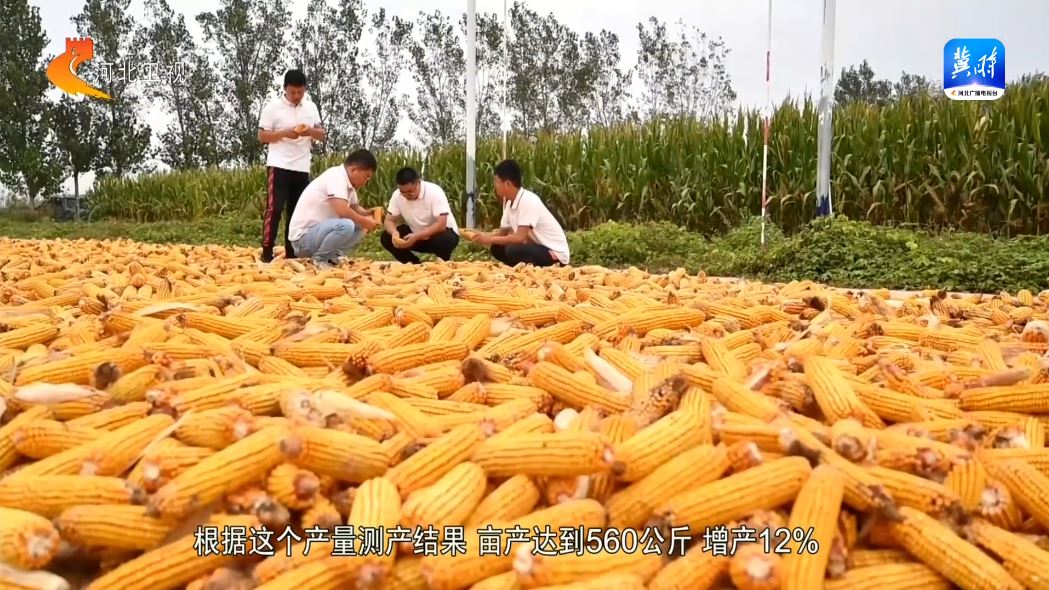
768 114
504 123
471 111
824 204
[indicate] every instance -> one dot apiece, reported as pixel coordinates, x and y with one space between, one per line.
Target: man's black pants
440 245
515 254
283 188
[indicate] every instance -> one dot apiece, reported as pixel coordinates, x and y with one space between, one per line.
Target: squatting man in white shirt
419 219
329 220
288 125
528 232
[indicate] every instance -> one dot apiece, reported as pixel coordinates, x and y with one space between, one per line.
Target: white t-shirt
313 206
424 211
279 114
528 210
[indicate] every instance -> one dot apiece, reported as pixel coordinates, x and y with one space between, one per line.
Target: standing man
421 218
528 232
289 125
328 221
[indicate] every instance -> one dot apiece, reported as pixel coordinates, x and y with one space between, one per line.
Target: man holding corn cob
329 221
528 232
288 125
419 220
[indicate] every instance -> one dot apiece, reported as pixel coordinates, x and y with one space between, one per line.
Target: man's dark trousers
283 188
440 245
514 254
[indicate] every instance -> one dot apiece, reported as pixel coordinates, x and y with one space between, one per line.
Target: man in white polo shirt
528 232
420 216
328 221
289 125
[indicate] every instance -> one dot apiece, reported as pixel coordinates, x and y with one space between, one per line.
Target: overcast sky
894 35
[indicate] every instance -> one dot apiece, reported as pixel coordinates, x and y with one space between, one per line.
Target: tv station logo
974 69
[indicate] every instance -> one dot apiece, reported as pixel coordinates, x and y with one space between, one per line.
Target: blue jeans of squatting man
328 240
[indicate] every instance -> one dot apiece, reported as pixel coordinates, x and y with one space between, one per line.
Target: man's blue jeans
328 240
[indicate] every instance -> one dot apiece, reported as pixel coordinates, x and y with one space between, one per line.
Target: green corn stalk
927 161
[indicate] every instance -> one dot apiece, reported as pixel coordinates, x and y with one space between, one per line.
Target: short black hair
294 78
406 175
510 171
362 159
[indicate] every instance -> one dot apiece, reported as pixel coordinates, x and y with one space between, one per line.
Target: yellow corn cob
474 331
177 563
697 569
215 429
955 559
8 453
654 445
43 438
449 501
514 498
889 576
763 487
117 526
632 506
573 391
815 511
164 460
402 358
133 386
341 455
1028 486
503 581
272 365
559 454
1029 399
110 454
322 354
27 336
722 359
49 495
835 394
27 540
452 571
446 329
293 487
737 398
409 419
113 418
321 514
1030 561
377 504
538 570
751 568
429 464
615 429
241 463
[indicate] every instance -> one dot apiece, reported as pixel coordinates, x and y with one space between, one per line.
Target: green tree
914 85
858 84
327 49
73 126
374 125
492 72
550 83
438 66
249 38
29 162
610 86
124 141
683 72
185 91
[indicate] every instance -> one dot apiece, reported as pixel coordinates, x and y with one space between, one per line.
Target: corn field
924 160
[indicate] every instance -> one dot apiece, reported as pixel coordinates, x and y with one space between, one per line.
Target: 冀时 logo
62 69
974 69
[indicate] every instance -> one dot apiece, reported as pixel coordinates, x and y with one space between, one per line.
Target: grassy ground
833 251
